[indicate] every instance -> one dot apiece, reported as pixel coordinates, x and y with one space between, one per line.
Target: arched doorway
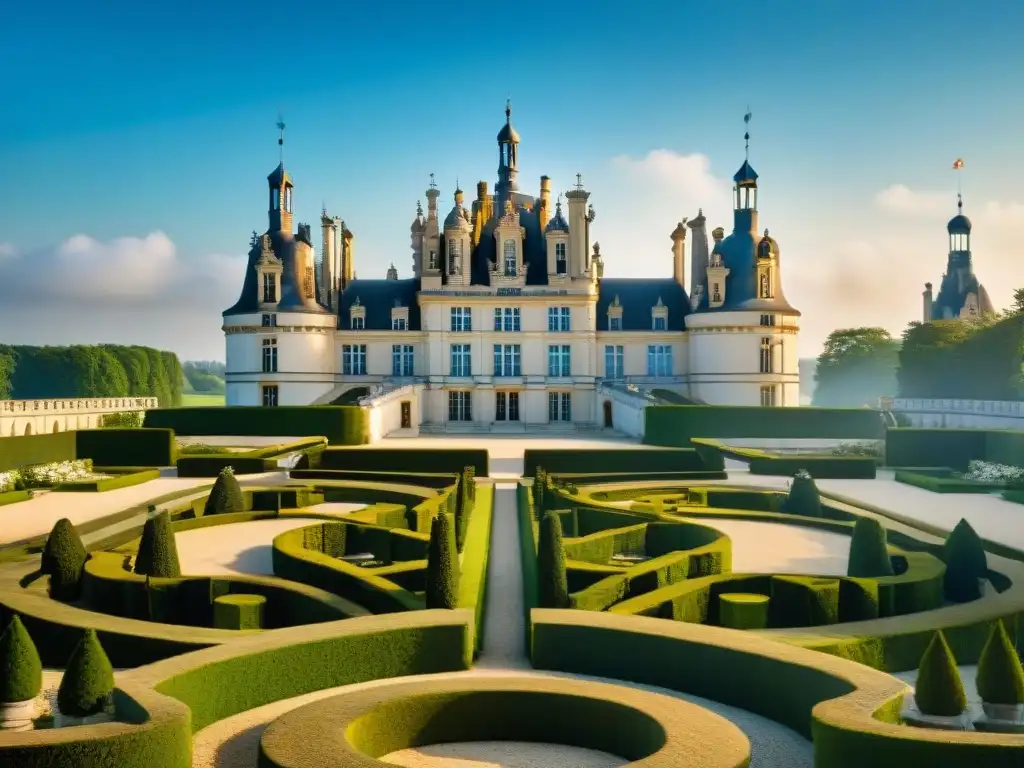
28 428
56 426
607 414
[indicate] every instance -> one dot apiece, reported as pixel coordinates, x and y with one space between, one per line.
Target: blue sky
137 141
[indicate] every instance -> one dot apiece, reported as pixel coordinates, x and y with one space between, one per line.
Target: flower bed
48 475
980 477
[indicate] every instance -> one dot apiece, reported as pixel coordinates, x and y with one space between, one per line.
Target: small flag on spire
958 164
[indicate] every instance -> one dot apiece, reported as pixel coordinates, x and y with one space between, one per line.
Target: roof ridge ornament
280 136
746 135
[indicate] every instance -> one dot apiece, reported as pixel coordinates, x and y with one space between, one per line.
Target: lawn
193 400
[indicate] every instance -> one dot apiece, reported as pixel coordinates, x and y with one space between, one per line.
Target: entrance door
607 414
513 406
406 414
500 406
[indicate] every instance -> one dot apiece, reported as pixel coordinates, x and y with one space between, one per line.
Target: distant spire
579 182
746 136
433 183
280 137
419 208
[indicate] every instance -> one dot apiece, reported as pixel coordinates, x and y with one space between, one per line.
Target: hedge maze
627 573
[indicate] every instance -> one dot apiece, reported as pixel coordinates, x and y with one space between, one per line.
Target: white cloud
901 200
689 175
8 251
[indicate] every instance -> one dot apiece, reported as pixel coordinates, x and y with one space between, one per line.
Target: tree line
104 370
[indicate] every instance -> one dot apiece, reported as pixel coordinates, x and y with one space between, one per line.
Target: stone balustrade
60 414
954 413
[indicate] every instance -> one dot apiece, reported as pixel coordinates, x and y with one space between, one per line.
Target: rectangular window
507 360
507 319
768 396
559 360
399 324
462 319
768 321
270 355
401 360
614 323
432 260
270 396
269 287
358 322
559 319
559 406
461 365
270 321
460 406
613 361
660 323
767 365
659 360
561 267
353 359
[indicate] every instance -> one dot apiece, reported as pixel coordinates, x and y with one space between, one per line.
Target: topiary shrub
966 563
939 690
442 577
552 581
21 671
463 507
88 679
226 495
869 556
239 611
537 491
158 554
1000 677
64 559
803 498
469 478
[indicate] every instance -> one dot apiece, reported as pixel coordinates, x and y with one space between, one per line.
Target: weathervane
958 165
579 182
433 184
280 137
508 107
746 135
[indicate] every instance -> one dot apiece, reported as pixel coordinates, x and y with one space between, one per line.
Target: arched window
510 258
453 256
765 283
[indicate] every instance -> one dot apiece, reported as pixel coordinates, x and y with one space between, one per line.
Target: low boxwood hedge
944 482
446 460
13 497
119 480
560 461
341 425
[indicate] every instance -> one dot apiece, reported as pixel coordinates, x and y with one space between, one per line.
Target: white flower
48 475
990 472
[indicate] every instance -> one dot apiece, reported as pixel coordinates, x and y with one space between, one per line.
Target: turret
432 233
579 229
327 265
698 252
508 158
416 238
392 273
458 243
280 207
745 191
928 300
717 272
349 256
556 236
679 253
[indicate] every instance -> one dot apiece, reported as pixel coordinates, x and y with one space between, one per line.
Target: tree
1017 307
966 563
1000 677
158 553
21 671
63 559
88 679
803 498
226 495
939 690
552 581
6 370
869 557
856 367
442 577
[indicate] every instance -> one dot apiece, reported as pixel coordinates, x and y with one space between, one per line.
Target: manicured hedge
820 467
119 480
475 557
675 425
126 447
941 481
251 462
954 448
13 497
562 461
24 451
414 460
340 424
527 558
239 611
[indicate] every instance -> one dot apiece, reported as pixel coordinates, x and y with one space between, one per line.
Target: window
462 319
461 365
766 355
270 321
275 199
432 260
768 321
308 283
613 361
559 406
270 396
561 268
768 396
660 323
559 318
510 258
353 359
614 323
399 324
401 360
507 360
506 406
765 284
288 199
269 287
453 257
507 318
358 322
270 355
716 293
460 406
559 360
659 360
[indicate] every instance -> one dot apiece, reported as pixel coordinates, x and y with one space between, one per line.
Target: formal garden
259 587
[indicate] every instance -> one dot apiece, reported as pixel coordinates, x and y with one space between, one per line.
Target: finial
280 136
558 202
579 182
700 212
766 231
746 136
419 208
433 184
457 187
508 108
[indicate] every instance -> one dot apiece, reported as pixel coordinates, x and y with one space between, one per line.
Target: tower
679 253
280 183
698 254
508 159
458 233
327 275
745 189
579 219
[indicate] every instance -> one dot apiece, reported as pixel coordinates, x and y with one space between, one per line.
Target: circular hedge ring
354 730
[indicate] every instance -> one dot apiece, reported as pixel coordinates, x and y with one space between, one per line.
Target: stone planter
60 720
18 715
911 715
1001 718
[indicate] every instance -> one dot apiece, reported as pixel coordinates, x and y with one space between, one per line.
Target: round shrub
63 558
239 611
158 553
442 577
552 582
1000 677
743 611
966 563
939 690
88 679
803 498
226 494
869 557
21 671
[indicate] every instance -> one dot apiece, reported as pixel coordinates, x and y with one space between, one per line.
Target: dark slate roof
638 296
291 298
959 225
534 247
379 297
954 289
746 173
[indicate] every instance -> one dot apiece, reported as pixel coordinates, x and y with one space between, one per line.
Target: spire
746 135
280 136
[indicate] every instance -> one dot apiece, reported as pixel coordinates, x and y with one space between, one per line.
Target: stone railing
384 409
627 407
976 414
64 406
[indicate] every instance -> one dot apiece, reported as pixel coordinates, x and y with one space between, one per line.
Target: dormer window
561 265
659 316
453 257
716 294
269 288
510 258
357 316
615 315
399 318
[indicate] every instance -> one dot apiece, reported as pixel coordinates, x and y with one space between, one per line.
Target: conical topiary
63 558
552 582
158 554
538 491
939 690
966 563
803 498
88 679
1000 677
469 477
21 671
442 578
226 494
869 557
463 508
